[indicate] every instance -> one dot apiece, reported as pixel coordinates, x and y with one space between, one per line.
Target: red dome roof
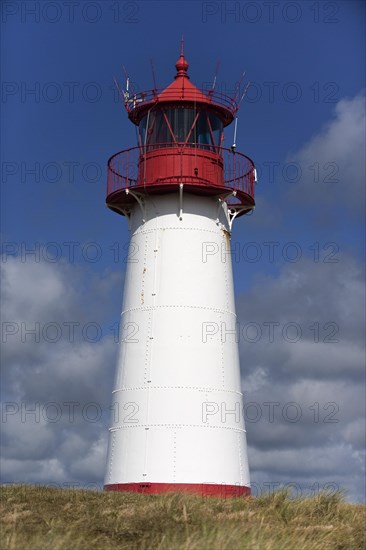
181 90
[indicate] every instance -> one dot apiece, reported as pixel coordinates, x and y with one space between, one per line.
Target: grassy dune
43 518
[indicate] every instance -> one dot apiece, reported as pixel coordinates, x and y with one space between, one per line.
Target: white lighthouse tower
177 422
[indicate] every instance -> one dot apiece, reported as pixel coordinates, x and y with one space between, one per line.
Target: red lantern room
180 135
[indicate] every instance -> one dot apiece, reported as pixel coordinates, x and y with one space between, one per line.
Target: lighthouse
177 407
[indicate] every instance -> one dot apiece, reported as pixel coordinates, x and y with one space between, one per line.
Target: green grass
44 518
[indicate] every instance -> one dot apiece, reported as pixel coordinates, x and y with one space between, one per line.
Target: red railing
225 169
132 101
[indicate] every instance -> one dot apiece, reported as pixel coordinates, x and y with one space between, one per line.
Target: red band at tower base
202 489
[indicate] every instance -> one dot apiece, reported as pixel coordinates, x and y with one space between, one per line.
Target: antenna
233 147
153 73
238 89
216 72
244 94
128 83
124 95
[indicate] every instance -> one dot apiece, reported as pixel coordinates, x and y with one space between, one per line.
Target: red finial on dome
182 64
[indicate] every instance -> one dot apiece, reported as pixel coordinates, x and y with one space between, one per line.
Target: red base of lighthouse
202 489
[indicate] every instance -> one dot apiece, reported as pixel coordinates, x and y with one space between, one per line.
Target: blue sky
310 55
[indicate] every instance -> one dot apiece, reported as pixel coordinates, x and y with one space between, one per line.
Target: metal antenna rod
128 83
216 72
235 129
153 73
124 95
244 94
238 89
233 147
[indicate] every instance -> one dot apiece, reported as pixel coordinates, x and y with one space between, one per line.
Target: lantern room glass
180 126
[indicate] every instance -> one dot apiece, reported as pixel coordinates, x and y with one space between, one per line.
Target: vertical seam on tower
143 273
148 342
148 363
227 307
240 459
226 278
174 455
147 369
156 240
148 348
112 453
222 354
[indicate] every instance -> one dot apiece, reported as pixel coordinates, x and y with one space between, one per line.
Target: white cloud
45 438
333 164
325 380
325 300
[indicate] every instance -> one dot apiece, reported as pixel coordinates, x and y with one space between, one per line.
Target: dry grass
39 518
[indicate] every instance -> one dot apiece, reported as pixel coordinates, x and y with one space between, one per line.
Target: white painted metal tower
177 422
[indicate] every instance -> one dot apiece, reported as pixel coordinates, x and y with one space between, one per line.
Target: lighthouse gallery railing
234 171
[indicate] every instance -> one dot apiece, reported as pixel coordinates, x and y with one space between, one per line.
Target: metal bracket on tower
230 214
218 210
238 210
140 202
181 201
124 211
